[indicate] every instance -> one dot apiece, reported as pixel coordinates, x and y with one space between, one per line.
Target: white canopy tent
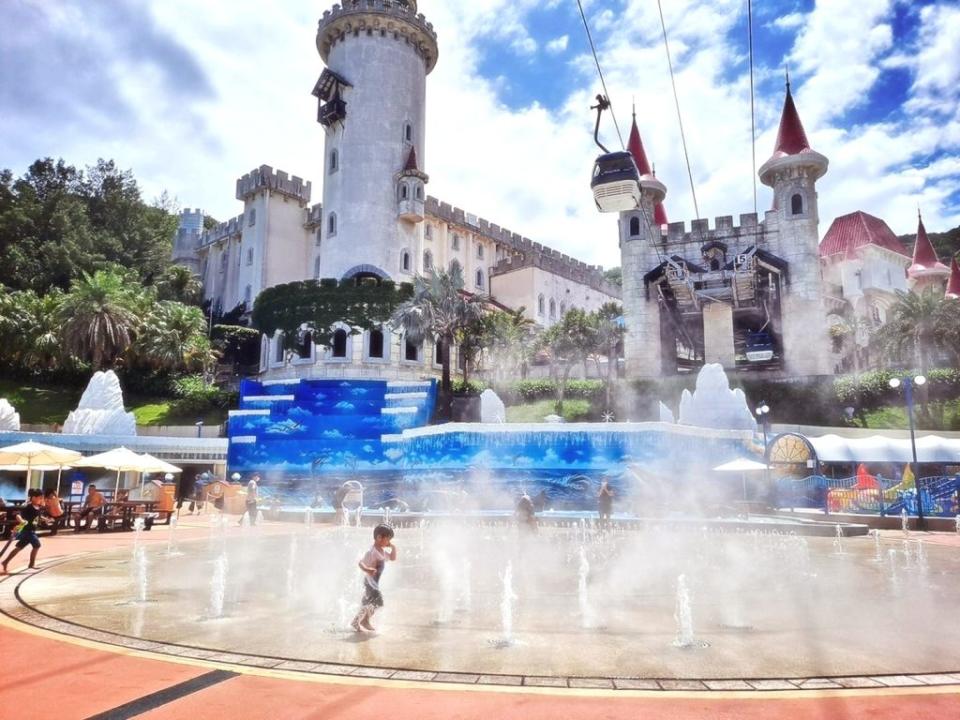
742 466
32 455
930 449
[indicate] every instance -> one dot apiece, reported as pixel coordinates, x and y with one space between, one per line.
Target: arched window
634 226
427 260
437 353
455 243
250 256
223 261
376 344
410 351
316 269
553 309
319 237
247 296
408 133
540 305
479 279
714 264
480 251
334 161
796 204
405 261
563 309
403 191
428 232
278 348
253 217
331 224
305 348
340 343
419 192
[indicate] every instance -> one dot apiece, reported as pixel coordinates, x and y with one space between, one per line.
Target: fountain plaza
673 607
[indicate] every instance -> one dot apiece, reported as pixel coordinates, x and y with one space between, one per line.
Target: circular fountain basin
579 603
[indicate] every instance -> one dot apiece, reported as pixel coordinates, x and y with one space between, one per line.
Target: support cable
753 116
596 60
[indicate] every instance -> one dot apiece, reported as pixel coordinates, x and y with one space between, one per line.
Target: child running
372 564
26 533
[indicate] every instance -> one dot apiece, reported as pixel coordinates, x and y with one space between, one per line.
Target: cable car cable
753 116
603 82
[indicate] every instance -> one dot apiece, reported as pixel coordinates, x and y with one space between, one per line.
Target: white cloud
791 21
557 45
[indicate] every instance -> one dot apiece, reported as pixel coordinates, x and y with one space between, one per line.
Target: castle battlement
558 264
265 177
724 230
313 216
381 16
230 228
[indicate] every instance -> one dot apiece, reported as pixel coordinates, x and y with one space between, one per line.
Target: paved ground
48 673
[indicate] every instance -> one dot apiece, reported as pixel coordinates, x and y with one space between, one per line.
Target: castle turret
639 240
926 270
186 243
792 171
372 106
953 287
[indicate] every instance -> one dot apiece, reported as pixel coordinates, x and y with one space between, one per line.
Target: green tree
570 341
919 327
610 331
614 275
508 344
438 310
174 337
99 316
179 283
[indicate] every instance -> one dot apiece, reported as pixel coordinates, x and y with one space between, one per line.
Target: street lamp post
763 413
908 383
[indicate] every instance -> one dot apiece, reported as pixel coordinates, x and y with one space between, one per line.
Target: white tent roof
741 465
930 449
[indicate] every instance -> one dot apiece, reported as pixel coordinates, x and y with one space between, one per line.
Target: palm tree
40 343
180 284
918 326
99 316
437 311
175 338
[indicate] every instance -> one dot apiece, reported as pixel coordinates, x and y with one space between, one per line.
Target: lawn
943 416
50 405
573 410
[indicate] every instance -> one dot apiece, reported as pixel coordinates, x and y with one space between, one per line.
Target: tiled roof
953 287
925 257
850 232
411 160
791 138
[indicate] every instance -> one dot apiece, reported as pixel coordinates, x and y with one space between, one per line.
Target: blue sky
190 101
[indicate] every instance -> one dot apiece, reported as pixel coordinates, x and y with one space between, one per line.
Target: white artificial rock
9 418
492 409
101 411
714 405
666 415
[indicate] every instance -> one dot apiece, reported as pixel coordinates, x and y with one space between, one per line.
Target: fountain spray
586 610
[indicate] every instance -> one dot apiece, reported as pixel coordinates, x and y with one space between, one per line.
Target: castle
757 295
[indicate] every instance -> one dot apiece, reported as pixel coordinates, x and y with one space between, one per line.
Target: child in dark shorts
372 564
26 533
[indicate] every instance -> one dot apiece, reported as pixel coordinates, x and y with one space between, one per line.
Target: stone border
13 607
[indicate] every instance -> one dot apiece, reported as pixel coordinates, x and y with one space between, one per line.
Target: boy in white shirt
372 564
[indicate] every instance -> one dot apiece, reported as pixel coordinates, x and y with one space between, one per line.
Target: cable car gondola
616 180
759 346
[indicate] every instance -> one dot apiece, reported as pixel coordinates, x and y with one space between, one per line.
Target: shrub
471 387
196 396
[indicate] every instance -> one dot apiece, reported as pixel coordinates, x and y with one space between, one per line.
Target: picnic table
119 515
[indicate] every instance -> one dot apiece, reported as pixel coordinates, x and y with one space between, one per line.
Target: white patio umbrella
742 466
159 466
120 459
31 455
42 469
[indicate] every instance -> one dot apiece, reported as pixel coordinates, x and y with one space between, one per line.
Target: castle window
428 232
419 192
408 133
714 264
455 243
405 261
634 226
437 353
331 224
252 218
375 349
553 309
305 348
403 191
427 260
319 237
563 309
340 343
247 296
334 161
411 352
223 262
250 256
796 204
316 269
479 279
480 251
540 305
278 348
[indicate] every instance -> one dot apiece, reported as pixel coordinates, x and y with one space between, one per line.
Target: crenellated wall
265 177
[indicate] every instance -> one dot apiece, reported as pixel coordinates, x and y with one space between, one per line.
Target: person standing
372 565
605 502
250 508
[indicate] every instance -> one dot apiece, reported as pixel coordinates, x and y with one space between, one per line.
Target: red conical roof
635 146
411 160
924 256
791 138
953 287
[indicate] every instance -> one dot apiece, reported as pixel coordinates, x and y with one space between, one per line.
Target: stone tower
372 98
792 171
639 243
187 240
